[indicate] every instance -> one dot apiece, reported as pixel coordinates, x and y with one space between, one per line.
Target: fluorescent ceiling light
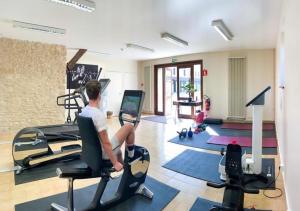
130 45
84 5
90 51
220 26
31 26
175 40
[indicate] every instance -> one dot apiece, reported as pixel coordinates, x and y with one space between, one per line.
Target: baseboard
245 121
148 112
286 193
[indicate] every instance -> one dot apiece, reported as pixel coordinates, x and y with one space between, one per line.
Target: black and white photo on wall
80 74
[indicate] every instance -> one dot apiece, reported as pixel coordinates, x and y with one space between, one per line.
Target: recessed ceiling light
175 40
220 27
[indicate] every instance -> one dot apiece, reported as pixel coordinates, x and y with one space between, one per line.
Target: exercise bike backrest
233 161
91 147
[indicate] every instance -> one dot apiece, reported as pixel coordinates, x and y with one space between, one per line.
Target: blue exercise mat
200 140
205 205
159 119
205 166
163 195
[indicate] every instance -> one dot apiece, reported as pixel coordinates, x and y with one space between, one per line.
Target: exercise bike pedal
144 191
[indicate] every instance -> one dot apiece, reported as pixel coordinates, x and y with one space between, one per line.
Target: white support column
257 138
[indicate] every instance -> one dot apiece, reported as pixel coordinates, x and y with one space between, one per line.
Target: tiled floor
154 137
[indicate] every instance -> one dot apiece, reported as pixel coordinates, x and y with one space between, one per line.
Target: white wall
260 74
122 73
288 100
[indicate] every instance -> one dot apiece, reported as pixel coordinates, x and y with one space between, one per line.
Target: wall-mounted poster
80 74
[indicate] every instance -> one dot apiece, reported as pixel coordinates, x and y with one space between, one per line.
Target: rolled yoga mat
246 126
242 141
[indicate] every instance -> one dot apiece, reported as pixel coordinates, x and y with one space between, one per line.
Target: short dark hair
93 89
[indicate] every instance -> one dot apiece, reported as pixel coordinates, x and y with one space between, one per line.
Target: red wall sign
204 72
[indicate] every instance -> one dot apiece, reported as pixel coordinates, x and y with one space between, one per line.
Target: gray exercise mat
159 119
205 166
233 132
163 195
45 171
205 205
200 141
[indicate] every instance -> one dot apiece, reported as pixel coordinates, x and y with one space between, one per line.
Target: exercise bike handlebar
111 170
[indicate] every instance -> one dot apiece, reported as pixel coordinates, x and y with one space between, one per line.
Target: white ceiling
254 24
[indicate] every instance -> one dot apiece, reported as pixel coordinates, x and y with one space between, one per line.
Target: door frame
156 112
177 64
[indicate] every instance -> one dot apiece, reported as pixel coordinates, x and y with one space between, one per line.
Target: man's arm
107 146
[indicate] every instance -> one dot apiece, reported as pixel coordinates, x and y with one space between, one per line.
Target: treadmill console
259 99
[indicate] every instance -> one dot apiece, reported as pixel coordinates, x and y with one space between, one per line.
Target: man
110 146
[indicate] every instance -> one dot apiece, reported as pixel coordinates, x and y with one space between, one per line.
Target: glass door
184 77
169 80
198 95
170 89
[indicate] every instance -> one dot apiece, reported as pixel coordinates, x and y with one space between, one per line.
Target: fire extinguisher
206 103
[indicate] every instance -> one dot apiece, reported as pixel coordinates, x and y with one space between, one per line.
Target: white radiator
237 88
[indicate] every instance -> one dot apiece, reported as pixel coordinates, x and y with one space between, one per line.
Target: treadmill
31 145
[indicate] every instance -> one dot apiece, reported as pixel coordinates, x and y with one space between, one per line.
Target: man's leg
126 133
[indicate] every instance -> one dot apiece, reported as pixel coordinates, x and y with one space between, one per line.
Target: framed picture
80 74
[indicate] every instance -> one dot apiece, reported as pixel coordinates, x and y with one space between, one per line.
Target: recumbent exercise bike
134 175
233 199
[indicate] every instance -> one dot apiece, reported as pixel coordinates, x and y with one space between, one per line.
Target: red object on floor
200 117
245 126
242 141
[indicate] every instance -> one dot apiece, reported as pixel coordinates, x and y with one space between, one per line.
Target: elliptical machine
32 146
233 199
134 175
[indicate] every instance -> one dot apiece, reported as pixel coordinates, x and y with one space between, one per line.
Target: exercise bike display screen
131 104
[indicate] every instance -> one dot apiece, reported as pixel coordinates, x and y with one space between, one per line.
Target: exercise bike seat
84 172
74 173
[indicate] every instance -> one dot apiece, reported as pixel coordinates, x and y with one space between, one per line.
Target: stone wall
32 75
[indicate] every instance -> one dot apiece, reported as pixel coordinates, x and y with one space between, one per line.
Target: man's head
93 89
